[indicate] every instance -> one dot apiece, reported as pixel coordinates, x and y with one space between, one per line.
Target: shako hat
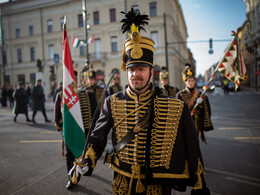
164 75
187 73
91 74
138 50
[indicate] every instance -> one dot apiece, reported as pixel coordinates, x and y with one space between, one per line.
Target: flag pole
213 75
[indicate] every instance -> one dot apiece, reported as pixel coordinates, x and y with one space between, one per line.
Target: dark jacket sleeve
58 113
98 137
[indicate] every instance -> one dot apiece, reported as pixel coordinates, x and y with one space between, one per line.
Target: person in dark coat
4 96
155 146
10 93
21 102
38 101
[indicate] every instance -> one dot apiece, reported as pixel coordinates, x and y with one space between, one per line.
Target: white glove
79 170
199 100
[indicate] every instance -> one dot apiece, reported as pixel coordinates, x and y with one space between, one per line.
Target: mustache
137 78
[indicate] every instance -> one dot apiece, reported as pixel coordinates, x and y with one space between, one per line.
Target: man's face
92 82
164 82
138 76
39 83
190 83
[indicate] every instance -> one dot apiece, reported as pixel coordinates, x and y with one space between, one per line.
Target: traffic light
52 70
39 65
210 46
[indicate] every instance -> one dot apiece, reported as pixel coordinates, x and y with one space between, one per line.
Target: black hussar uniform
96 89
167 89
202 113
155 146
114 88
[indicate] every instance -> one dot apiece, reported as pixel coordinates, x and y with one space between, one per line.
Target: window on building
32 54
155 38
153 9
96 17
80 20
30 29
49 26
135 7
82 50
51 52
4 57
19 55
97 48
114 44
21 78
61 23
112 15
17 31
32 78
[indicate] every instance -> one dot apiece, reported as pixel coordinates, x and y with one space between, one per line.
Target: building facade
33 38
251 42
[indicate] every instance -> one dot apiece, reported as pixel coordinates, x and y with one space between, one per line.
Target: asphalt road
31 160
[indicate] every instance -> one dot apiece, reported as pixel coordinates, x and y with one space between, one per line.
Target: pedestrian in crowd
115 86
225 86
53 89
86 100
155 144
57 91
29 93
4 96
38 101
191 96
166 88
21 102
10 93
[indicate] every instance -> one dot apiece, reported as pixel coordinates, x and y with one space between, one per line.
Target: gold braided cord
162 141
200 170
144 40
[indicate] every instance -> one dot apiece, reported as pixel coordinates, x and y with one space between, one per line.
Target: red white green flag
73 129
232 65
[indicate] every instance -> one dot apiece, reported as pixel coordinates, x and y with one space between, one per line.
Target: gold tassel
74 178
136 170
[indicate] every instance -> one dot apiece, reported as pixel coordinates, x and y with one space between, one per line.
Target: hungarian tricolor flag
232 65
73 129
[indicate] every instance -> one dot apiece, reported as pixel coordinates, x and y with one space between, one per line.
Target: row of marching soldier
155 146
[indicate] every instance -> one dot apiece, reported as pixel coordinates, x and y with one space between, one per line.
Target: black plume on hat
133 17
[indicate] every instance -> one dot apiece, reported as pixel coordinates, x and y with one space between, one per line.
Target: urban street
31 158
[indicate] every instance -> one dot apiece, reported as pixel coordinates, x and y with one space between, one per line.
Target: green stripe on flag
73 135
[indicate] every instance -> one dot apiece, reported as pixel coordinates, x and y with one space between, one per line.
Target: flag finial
64 23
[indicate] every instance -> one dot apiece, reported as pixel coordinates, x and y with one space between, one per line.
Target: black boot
45 116
15 118
27 118
34 113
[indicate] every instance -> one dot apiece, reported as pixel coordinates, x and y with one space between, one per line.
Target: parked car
232 86
199 84
210 88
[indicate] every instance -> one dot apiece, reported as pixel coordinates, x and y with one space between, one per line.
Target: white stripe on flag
75 112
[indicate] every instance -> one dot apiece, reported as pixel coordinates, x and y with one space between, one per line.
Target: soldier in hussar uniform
166 88
155 144
93 86
115 87
191 95
88 105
